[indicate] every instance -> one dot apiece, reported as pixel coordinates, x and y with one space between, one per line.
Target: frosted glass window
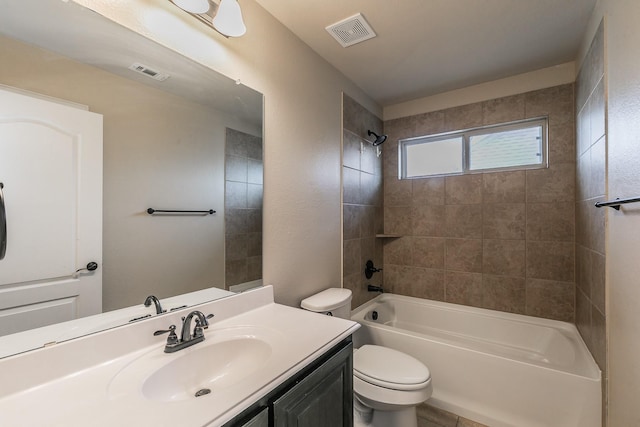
515 145
434 158
505 149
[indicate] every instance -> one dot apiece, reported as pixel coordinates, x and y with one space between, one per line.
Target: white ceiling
424 47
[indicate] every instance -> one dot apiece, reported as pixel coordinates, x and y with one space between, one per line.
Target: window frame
466 134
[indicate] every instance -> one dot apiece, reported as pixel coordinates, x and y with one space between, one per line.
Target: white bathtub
496 368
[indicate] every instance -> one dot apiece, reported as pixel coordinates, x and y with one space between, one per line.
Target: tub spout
372 288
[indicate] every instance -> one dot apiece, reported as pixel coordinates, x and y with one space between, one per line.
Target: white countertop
79 383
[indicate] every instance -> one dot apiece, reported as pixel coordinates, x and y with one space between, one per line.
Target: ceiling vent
143 69
352 30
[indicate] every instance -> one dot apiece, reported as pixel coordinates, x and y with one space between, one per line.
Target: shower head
379 138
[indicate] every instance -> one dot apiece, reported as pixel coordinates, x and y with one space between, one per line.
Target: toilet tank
333 301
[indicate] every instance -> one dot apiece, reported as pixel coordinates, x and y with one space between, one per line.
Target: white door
51 174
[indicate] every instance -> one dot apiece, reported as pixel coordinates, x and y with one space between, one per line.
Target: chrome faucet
186 339
152 299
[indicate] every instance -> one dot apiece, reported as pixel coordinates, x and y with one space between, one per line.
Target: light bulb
193 6
228 19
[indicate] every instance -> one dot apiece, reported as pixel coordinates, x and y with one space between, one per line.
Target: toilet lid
389 368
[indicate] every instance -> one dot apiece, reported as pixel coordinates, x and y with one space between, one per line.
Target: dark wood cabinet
321 395
324 398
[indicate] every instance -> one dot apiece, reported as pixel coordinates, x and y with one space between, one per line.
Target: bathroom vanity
260 361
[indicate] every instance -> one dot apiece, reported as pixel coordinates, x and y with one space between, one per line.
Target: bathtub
496 368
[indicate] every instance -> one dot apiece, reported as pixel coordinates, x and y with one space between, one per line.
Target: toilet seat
389 368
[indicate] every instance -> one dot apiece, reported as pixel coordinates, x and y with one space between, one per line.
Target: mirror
163 147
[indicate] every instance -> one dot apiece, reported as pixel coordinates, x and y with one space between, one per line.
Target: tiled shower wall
243 207
502 240
362 199
591 187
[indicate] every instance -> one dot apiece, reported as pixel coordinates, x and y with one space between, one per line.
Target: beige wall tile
254 220
598 340
463 221
562 143
598 280
428 191
464 117
550 299
235 272
419 282
350 150
428 221
235 221
359 294
351 257
503 110
551 260
367 220
463 288
554 184
583 176
398 251
597 110
556 102
463 189
390 158
367 252
429 123
584 274
504 257
235 246
397 220
254 244
551 221
463 255
397 192
597 218
503 293
583 316
503 221
583 130
503 187
597 171
350 185
254 268
428 252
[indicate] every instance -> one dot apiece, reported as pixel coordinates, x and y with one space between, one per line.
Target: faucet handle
172 338
206 324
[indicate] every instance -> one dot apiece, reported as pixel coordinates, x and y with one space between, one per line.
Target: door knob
92 266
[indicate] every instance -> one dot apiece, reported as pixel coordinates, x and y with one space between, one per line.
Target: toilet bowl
387 384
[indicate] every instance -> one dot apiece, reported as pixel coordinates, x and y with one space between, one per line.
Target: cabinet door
324 398
260 420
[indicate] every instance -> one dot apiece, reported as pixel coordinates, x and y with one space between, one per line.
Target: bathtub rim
591 368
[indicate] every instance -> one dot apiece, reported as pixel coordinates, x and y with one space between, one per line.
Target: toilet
387 384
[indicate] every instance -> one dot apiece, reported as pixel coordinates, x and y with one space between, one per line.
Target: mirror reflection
190 140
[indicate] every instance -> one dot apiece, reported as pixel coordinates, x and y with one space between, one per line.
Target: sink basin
224 361
207 369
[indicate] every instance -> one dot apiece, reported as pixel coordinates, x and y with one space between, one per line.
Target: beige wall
514 85
302 132
156 145
622 88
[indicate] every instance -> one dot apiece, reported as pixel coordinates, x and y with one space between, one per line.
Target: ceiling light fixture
225 17
228 20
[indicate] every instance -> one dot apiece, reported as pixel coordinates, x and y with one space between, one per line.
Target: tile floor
429 416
